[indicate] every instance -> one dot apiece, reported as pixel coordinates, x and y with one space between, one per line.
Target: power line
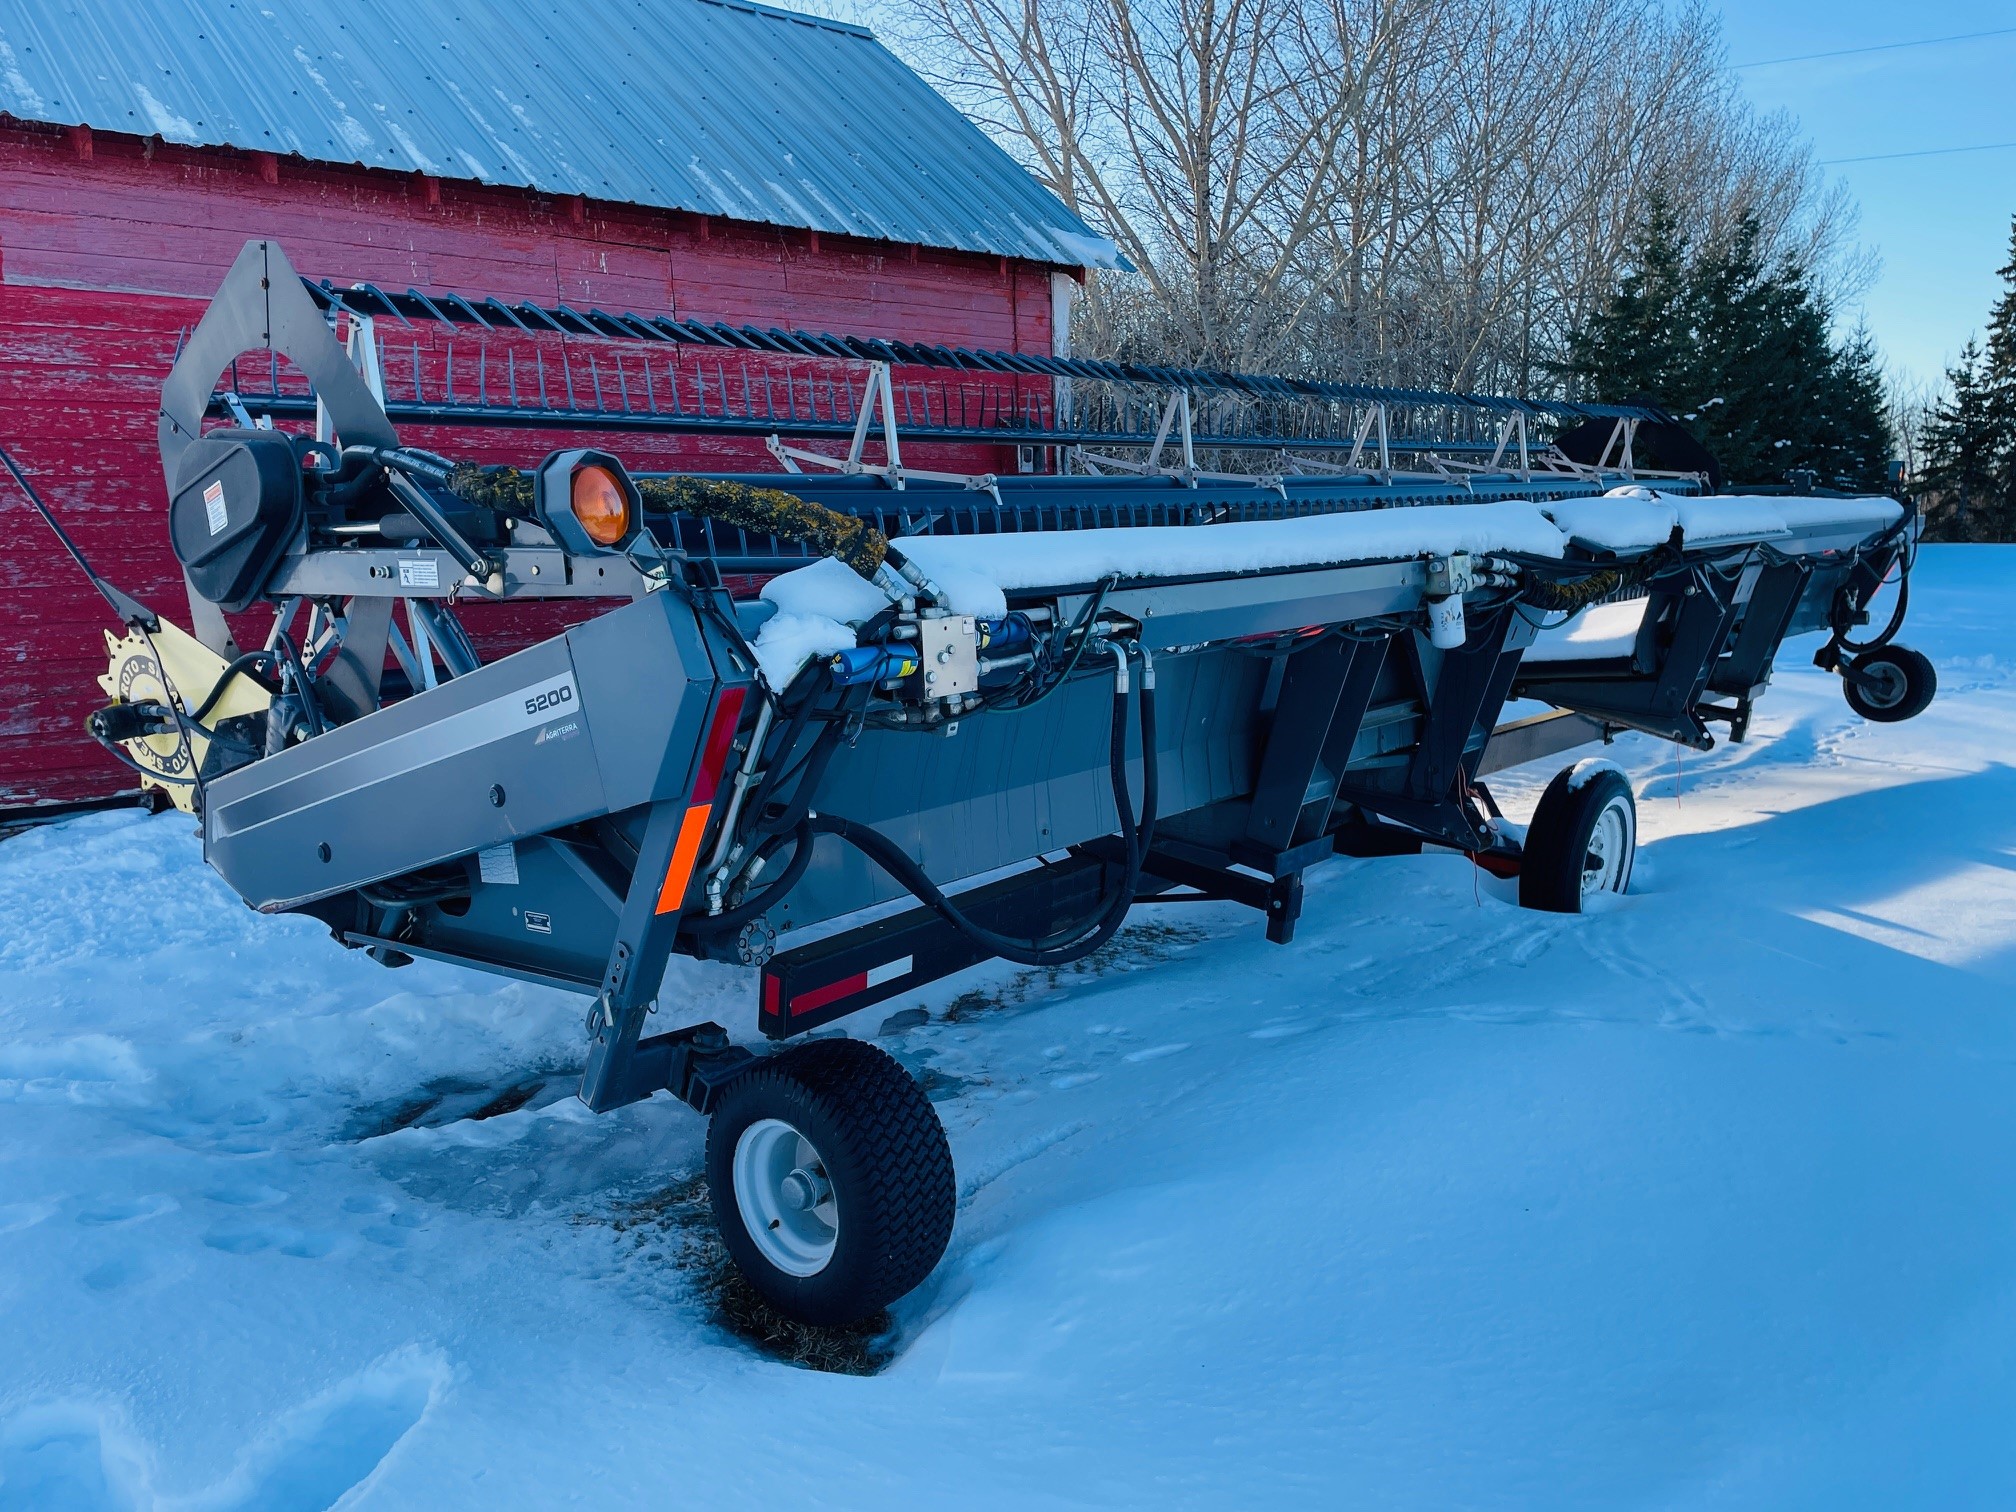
1885 157
1845 52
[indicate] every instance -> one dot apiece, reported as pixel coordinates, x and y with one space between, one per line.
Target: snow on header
1052 559
817 605
1632 519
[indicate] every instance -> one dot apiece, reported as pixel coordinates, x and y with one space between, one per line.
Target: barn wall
108 250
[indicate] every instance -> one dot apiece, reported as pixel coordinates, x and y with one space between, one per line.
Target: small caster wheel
1582 841
1889 684
831 1179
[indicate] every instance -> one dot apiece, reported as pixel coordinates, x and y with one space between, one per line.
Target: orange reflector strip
706 782
685 851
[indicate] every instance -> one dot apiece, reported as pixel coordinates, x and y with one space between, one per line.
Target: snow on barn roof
714 106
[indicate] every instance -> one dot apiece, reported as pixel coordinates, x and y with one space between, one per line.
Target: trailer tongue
1019 729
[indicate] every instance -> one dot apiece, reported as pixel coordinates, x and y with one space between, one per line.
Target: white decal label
547 701
498 864
888 971
213 507
424 573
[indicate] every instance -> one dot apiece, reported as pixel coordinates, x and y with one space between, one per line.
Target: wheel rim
1886 684
1606 864
785 1198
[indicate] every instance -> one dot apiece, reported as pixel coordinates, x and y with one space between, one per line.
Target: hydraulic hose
310 708
810 771
1906 559
787 741
773 891
1066 945
1081 629
120 755
243 663
1578 595
1572 597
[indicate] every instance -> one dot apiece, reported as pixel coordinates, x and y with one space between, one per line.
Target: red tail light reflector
706 783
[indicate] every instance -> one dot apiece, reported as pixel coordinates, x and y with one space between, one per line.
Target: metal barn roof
713 106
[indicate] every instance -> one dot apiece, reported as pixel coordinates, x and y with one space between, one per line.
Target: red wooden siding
103 261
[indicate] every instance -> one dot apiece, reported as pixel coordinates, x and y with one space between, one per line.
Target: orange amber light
600 506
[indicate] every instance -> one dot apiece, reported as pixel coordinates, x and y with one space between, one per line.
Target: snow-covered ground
1703 1199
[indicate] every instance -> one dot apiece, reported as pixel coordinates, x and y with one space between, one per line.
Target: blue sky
1941 224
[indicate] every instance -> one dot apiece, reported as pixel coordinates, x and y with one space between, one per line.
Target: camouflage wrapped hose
1578 595
1571 597
769 511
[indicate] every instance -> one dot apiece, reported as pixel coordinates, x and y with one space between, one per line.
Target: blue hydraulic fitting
864 664
1007 634
860 664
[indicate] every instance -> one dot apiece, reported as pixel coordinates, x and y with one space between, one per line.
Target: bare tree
1912 401
1431 192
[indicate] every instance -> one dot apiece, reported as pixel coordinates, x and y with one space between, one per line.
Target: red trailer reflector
706 782
832 992
848 986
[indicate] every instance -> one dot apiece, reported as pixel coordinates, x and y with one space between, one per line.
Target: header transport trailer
1042 706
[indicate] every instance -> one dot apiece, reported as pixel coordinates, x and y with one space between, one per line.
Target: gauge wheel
1895 684
831 1180
1583 839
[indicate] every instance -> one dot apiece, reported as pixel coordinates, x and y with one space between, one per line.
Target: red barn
708 160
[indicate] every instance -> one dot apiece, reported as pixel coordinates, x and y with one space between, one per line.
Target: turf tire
885 1154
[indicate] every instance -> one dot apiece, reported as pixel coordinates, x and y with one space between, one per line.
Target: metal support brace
1472 679
350 683
1693 608
878 397
1431 794
1513 426
1176 420
1279 898
361 346
1774 599
1624 432
1177 413
1325 691
1375 418
1101 464
636 965
423 644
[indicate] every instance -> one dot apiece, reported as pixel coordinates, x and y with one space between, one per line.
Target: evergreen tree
1742 348
1752 347
2002 320
1636 345
1967 446
1859 443
2000 382
1968 485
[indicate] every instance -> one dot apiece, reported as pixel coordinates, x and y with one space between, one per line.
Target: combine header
1021 704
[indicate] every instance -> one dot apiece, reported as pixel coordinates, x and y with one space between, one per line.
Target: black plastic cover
237 505
1665 445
